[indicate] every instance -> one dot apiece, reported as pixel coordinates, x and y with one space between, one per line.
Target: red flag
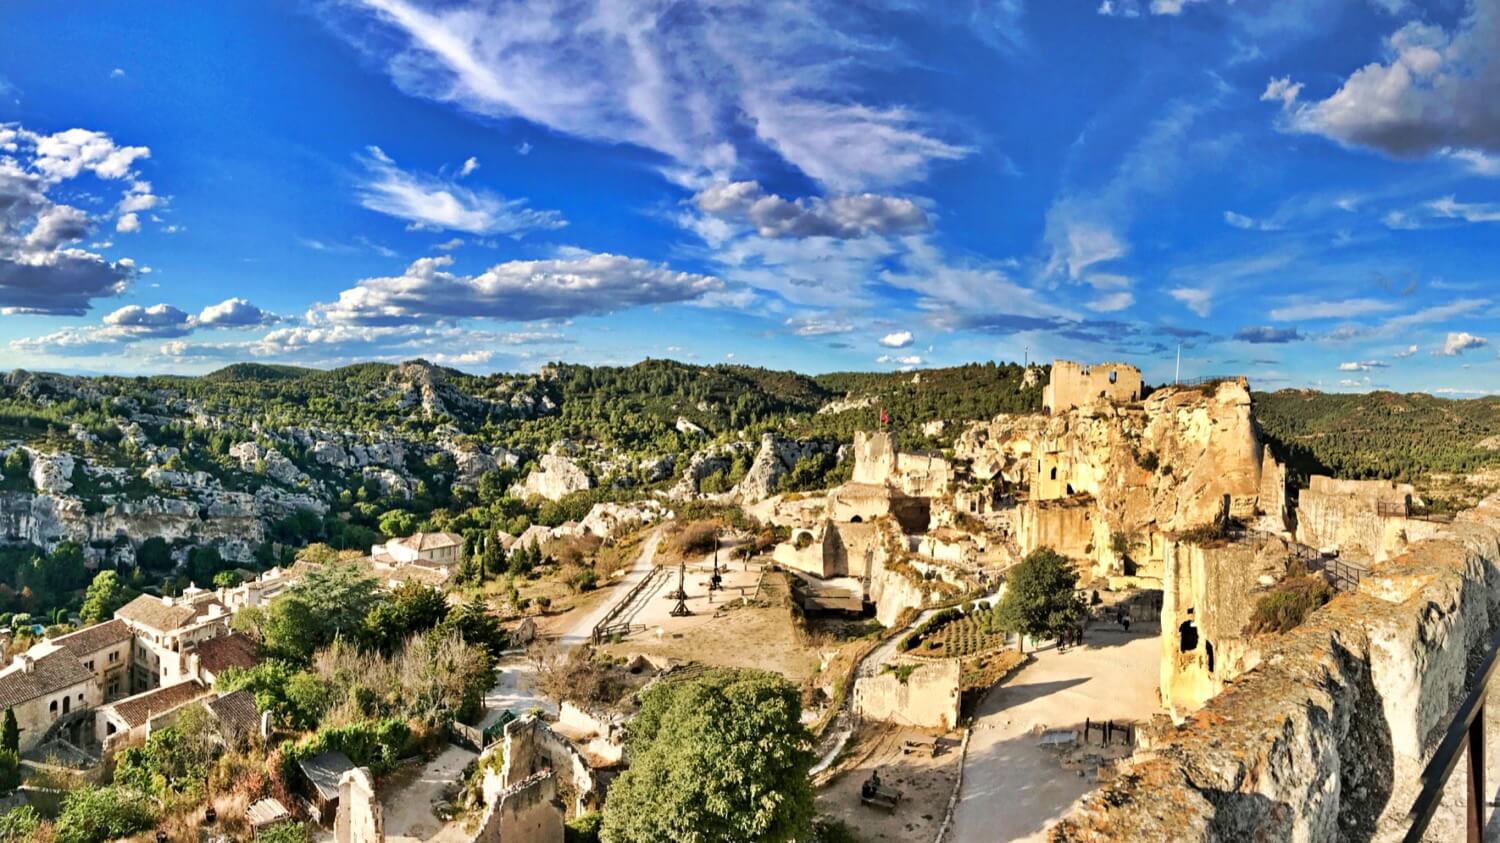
885 418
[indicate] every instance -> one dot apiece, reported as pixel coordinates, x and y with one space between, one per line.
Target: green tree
227 579
10 734
398 522
10 770
1041 598
154 554
96 814
722 756
104 595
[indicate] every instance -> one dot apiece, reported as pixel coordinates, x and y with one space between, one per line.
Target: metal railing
1466 732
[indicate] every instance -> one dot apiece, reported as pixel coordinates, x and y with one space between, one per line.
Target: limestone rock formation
776 457
555 477
51 473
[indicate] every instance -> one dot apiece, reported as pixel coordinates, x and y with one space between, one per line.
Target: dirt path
1014 789
580 629
408 806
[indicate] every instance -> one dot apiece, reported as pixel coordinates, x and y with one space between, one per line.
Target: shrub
10 770
20 825
583 828
96 814
1285 607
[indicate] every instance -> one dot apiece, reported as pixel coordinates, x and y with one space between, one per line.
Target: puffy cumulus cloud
1267 334
158 320
577 283
1406 352
68 154
898 339
42 270
235 313
845 216
1434 89
133 323
439 204
1457 342
701 84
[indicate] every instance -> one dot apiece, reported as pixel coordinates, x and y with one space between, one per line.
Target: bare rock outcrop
776 457
555 477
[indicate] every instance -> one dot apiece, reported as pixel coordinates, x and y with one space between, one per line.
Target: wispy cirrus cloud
438 204
703 85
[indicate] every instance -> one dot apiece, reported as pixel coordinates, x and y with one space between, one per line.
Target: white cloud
117 73
1458 342
1406 352
1282 90
470 165
437 204
1475 212
158 320
844 216
1197 299
1306 309
1361 366
898 339
813 326
1112 302
1434 90
577 283
701 86
128 223
1478 162
234 313
909 360
1170 7
41 270
449 245
524 148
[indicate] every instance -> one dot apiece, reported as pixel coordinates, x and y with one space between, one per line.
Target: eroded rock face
1361 519
1165 466
608 519
776 457
555 477
1327 737
51 473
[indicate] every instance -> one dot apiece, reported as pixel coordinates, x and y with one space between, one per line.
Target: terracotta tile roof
49 674
430 541
234 650
152 612
237 711
92 639
137 709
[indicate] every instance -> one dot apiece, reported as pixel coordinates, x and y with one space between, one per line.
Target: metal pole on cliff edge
1178 376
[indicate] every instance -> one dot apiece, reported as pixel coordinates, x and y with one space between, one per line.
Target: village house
47 687
103 648
137 717
166 630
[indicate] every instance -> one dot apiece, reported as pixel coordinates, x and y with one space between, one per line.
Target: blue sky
1305 193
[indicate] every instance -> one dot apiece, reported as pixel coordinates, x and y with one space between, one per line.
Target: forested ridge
1380 435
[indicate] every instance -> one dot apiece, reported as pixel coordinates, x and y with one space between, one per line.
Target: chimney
27 663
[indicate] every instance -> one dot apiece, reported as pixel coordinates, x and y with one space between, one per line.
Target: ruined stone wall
1326 738
1208 596
1074 384
927 698
531 746
875 457
1345 515
359 818
1064 526
524 812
